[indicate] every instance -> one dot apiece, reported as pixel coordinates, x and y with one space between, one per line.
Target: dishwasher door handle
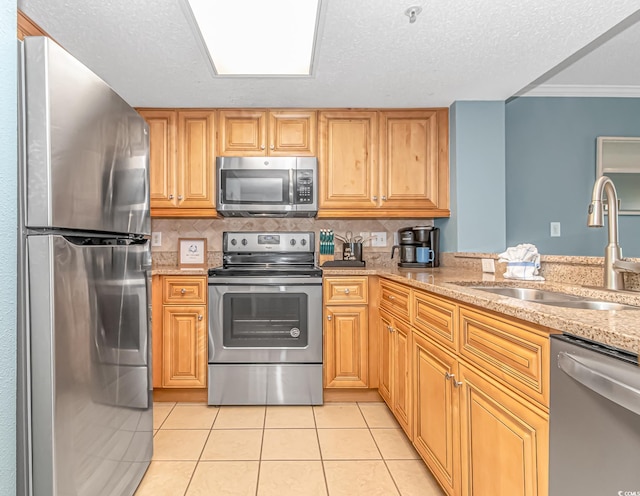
587 373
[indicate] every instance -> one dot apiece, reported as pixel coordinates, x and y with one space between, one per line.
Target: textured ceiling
369 54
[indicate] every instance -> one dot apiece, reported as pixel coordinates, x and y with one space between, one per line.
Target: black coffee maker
410 239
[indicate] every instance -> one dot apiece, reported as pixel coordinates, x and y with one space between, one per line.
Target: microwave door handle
292 186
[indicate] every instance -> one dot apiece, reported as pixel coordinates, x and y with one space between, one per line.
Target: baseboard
334 395
181 395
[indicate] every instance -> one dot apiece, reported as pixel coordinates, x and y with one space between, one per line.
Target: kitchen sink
527 294
554 298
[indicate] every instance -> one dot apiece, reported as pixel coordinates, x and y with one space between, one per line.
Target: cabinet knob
180 197
390 328
272 147
375 198
262 147
328 317
384 197
448 376
170 197
457 383
199 317
391 297
183 291
346 291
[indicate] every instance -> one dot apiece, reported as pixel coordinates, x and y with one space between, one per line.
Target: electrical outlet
156 239
488 265
379 239
554 229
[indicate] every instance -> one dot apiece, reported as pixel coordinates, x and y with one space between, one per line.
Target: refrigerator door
86 149
91 401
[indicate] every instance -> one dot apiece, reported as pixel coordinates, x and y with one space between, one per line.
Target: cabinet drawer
345 290
436 318
395 298
512 351
184 289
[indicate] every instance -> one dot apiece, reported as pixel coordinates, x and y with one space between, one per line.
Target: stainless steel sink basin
554 298
527 294
591 305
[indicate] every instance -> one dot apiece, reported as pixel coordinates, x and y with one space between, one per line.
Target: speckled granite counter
620 328
174 271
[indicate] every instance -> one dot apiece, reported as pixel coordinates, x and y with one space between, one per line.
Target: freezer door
87 150
90 364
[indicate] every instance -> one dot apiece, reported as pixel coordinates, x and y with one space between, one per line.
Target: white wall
8 241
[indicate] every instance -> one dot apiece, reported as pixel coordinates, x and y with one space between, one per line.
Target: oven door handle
601 379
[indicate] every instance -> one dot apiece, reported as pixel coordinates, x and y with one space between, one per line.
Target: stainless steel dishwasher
594 444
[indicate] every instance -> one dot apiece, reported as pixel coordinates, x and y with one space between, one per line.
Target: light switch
156 239
555 229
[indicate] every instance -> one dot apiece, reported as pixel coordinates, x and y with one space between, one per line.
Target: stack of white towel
523 262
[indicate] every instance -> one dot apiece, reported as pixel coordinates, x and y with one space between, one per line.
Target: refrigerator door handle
588 373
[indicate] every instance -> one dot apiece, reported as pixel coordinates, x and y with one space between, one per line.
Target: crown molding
580 90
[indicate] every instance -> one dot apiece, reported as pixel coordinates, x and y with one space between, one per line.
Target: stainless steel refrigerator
84 371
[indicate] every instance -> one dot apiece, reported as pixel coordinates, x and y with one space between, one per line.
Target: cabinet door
436 430
242 133
411 149
504 441
196 154
162 157
385 326
348 161
401 381
346 347
292 133
184 361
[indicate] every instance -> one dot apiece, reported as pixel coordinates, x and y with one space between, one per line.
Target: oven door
265 322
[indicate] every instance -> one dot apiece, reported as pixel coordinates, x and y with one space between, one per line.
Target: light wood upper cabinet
26 27
414 161
347 161
258 133
181 162
384 163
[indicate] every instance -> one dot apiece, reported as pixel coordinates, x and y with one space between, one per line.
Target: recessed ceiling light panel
258 37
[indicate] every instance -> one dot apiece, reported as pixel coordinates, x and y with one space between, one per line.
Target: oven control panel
255 242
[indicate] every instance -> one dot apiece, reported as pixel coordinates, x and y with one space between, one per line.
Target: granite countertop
619 328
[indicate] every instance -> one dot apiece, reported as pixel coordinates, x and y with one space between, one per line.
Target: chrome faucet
613 263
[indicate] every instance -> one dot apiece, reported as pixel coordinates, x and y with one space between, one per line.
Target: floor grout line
264 422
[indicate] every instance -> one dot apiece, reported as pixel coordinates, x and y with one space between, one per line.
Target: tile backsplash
212 229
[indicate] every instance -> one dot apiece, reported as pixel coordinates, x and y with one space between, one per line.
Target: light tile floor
339 449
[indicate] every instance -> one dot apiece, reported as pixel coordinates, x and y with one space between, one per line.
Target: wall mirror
619 158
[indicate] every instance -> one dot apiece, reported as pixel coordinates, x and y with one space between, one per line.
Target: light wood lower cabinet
395 368
477 392
180 337
436 429
504 439
346 332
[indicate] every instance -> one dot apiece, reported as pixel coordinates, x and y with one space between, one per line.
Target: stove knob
292 242
244 242
234 242
303 242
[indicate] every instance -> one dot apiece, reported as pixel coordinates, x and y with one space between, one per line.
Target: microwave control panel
304 186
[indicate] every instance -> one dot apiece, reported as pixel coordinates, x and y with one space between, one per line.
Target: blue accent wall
551 168
8 244
477 177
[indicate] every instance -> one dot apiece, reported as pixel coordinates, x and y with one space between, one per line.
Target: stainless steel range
265 321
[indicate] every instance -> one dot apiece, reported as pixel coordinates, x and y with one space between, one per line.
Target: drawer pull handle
448 376
457 383
183 291
389 328
346 291
392 297
199 317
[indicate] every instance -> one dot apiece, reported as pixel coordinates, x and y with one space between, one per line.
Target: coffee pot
413 238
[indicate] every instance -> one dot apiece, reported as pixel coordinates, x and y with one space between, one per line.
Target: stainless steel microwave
267 186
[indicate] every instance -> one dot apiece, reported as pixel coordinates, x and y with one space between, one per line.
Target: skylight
258 37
